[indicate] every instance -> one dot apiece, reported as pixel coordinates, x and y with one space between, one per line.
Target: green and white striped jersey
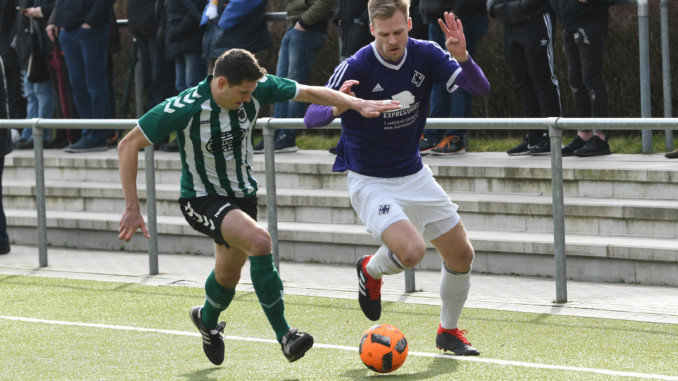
215 144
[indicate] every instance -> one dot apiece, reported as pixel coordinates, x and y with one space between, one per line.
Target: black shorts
205 213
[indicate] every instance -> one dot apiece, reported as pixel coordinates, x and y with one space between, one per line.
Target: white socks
453 293
384 262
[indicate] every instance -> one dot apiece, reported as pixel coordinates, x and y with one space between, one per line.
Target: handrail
555 125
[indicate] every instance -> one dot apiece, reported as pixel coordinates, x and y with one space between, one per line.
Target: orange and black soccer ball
383 348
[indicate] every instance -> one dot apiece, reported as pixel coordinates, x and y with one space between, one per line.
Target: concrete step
613 176
590 257
502 212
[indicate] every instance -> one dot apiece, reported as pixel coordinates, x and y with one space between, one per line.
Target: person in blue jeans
82 27
306 33
473 16
39 95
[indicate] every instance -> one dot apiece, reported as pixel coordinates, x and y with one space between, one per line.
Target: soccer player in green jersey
214 122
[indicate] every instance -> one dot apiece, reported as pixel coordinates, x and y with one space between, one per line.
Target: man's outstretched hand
130 221
455 41
367 108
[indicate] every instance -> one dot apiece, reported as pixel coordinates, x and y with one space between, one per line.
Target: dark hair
384 9
238 65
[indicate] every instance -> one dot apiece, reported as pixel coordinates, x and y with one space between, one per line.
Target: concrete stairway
621 210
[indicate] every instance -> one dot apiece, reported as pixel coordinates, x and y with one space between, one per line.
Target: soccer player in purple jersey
392 192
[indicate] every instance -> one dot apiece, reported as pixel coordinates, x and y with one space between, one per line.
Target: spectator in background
584 29
419 26
158 71
354 26
473 16
306 33
30 29
17 105
83 27
528 48
5 138
234 24
182 37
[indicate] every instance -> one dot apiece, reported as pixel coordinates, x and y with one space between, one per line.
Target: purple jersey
388 146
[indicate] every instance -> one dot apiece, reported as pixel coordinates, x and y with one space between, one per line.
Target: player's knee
412 254
260 243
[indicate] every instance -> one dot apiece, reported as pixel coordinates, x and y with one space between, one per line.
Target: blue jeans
40 98
190 69
85 51
457 104
297 52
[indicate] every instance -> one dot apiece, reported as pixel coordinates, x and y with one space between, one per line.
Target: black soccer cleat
295 344
212 343
369 290
455 341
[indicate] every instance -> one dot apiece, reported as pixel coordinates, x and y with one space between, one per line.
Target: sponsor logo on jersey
223 142
418 78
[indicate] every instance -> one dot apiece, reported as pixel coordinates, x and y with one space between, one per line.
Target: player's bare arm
455 41
128 162
329 97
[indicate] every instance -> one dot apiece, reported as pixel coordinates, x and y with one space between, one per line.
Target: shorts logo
418 78
384 209
199 218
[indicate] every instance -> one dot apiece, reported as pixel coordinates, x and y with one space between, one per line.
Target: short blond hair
384 9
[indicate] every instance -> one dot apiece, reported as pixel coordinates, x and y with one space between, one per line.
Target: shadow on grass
437 367
202 374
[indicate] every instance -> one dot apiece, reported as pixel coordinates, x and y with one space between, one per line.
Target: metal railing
554 125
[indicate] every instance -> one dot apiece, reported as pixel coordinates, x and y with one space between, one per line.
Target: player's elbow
483 88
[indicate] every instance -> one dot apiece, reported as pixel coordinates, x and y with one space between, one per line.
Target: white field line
607 372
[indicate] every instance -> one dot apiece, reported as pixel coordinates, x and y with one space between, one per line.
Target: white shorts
379 202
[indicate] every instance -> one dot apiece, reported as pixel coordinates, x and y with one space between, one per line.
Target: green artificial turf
38 351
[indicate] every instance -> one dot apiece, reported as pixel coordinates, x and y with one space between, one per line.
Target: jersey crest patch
418 78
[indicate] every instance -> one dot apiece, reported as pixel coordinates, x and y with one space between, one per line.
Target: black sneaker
426 145
24 144
454 341
450 145
574 145
594 147
672 155
369 291
295 344
259 148
543 147
4 249
212 343
172 146
285 143
521 149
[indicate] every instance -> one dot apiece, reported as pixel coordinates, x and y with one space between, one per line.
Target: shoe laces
447 140
218 329
457 333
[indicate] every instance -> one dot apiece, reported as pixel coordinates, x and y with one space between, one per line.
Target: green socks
217 299
269 289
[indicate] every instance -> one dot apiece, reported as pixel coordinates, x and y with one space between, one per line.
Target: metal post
271 203
409 280
644 54
666 69
556 136
149 162
40 192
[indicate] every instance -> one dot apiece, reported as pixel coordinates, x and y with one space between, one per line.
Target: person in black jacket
30 29
584 29
158 72
17 104
528 48
354 26
83 27
183 38
5 146
473 18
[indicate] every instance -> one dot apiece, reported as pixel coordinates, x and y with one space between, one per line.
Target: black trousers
584 49
528 48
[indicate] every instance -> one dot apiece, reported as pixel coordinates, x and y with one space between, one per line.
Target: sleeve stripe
450 82
338 75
